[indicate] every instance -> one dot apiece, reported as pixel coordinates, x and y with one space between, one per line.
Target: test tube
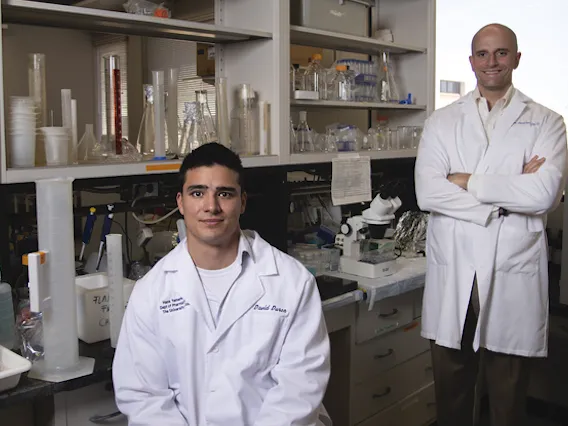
159 115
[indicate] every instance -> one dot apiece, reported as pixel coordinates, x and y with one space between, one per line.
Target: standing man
490 167
225 330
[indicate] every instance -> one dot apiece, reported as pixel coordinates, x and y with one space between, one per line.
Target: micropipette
88 231
105 231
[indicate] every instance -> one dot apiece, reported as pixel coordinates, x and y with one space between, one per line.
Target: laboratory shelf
82 18
375 155
355 105
87 171
345 42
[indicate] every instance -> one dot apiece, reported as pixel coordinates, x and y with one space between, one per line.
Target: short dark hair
208 155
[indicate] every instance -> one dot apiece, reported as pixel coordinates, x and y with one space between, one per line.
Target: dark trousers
456 373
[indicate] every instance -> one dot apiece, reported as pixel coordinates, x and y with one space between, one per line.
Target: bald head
505 33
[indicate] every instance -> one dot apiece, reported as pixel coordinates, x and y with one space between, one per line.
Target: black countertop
28 388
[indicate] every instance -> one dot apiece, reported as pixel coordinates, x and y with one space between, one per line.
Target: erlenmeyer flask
193 131
86 145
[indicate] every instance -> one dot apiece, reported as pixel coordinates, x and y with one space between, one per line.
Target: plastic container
7 319
93 305
11 368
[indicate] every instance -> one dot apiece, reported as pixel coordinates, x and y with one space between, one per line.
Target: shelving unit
250 48
355 105
87 171
96 20
328 157
346 42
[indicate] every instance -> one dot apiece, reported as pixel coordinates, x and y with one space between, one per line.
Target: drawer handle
390 314
105 418
380 395
388 353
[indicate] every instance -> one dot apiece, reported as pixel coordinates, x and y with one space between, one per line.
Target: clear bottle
304 135
295 81
313 74
244 123
206 116
340 84
7 319
147 132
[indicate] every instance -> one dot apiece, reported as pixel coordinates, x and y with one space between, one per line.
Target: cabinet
252 39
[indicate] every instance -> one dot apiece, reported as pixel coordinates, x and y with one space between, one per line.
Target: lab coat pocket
518 251
440 232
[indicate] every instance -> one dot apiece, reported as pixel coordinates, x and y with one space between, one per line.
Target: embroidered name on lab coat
270 308
530 123
173 305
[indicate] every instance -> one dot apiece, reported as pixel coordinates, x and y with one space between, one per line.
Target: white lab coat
258 367
465 239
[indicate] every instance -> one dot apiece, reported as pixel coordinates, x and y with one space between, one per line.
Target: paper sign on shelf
350 179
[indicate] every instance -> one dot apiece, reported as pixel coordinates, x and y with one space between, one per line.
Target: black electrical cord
129 241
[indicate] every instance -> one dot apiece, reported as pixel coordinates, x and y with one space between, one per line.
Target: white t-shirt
217 284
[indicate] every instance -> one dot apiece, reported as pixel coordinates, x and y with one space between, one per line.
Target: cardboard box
205 60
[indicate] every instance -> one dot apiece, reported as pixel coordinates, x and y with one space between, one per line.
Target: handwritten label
173 305
270 308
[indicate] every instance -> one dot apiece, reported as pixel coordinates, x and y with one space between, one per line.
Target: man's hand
533 165
460 179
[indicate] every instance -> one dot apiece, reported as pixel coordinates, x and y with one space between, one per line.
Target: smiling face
494 57
211 203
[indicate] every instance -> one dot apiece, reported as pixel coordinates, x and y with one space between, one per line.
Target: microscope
366 250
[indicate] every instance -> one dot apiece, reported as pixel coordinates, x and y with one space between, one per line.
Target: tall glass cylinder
222 112
55 234
113 104
172 110
159 115
36 88
244 123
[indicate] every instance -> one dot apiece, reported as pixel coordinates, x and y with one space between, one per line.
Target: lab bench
380 365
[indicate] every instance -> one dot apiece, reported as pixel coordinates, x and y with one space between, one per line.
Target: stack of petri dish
22 131
56 145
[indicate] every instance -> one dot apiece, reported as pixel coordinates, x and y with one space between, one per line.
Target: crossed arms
474 198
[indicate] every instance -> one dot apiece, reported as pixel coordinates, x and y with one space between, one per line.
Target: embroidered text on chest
269 308
173 305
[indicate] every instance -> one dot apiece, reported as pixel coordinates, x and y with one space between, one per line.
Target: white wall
69 65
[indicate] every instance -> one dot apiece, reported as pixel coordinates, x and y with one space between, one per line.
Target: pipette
88 231
105 231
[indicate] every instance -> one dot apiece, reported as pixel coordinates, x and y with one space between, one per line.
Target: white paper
350 179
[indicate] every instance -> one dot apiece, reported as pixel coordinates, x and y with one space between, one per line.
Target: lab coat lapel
243 296
190 285
472 143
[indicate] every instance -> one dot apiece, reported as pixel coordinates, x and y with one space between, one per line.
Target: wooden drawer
385 352
387 315
391 386
419 409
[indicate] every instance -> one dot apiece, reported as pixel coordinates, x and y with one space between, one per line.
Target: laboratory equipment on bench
172 118
52 284
88 231
7 319
113 104
304 135
159 115
366 251
104 232
206 116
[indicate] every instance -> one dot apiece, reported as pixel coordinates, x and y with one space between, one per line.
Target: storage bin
93 306
351 17
12 366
